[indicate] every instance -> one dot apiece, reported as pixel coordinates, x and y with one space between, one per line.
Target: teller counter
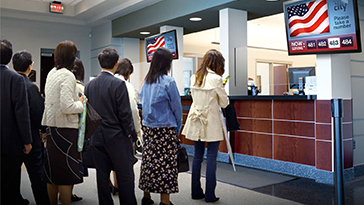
285 134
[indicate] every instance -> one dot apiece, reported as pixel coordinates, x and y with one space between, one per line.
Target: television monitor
294 75
322 26
167 40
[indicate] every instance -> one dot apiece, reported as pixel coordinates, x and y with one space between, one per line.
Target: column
333 72
233 46
333 76
177 65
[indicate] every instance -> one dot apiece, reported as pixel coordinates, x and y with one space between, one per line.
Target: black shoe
165 204
75 198
115 190
147 201
215 200
199 197
24 201
139 149
135 160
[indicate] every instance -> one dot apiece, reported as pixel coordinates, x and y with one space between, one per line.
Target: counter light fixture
145 32
195 19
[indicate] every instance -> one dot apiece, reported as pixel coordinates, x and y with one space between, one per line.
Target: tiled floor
307 191
281 191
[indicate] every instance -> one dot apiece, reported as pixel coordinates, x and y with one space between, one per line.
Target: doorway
272 78
46 65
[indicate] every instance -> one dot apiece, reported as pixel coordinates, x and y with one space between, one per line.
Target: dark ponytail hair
78 70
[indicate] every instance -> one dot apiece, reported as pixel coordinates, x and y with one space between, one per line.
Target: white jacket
204 118
62 103
133 102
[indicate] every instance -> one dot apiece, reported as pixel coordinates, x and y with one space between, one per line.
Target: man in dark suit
15 132
23 64
112 141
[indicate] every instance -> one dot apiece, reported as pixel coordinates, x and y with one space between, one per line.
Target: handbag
93 121
232 123
88 154
182 159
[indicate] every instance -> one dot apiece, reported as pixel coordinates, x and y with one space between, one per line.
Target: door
46 65
280 85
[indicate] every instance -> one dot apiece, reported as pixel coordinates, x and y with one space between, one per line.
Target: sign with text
167 40
56 8
322 26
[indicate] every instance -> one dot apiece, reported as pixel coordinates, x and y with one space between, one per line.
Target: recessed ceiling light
145 32
195 19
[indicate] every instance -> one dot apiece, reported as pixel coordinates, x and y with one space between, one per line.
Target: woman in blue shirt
162 119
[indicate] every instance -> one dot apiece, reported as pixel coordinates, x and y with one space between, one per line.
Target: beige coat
204 118
62 103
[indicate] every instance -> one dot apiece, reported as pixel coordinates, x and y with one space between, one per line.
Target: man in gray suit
112 141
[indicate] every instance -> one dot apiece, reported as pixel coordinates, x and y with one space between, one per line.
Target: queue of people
42 132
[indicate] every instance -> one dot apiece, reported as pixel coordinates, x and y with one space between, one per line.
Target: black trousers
10 179
116 154
34 164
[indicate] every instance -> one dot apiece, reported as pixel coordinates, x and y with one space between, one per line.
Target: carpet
245 177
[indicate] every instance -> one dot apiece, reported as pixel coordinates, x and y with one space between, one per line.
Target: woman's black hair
78 70
160 65
125 68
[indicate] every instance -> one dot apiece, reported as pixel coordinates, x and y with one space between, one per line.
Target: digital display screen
167 40
322 26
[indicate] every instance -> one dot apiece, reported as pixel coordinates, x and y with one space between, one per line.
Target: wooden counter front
286 128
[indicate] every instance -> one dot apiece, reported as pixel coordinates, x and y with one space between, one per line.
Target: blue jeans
212 148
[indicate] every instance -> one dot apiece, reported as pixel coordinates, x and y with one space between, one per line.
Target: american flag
308 18
155 43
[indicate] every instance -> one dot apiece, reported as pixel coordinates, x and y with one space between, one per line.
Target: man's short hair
6 51
108 58
22 60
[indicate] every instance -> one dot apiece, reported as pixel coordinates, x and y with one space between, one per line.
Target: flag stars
298 10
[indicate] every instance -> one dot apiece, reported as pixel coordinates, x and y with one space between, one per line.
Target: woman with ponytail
204 124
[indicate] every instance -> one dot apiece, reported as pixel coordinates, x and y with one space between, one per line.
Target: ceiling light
271 0
145 32
195 19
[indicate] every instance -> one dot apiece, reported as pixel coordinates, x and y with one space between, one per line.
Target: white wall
34 35
101 39
357 85
263 71
276 57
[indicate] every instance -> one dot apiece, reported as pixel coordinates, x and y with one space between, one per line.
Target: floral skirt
159 172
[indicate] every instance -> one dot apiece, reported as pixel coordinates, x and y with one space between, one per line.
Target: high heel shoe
147 201
115 190
75 198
